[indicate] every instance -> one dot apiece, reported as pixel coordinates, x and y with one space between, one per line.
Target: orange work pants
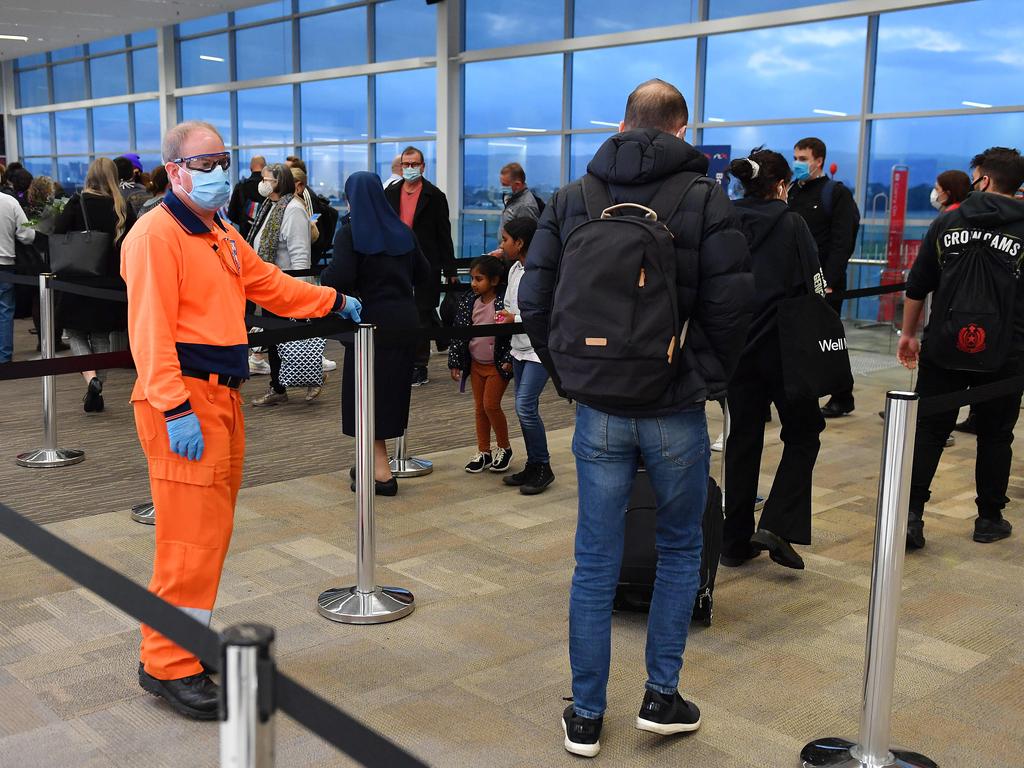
195 507
488 388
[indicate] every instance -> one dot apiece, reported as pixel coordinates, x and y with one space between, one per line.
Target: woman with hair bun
779 243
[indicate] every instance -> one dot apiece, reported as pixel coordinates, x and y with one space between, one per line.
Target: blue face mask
411 174
801 170
210 191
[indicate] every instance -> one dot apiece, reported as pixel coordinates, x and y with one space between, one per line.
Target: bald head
658 105
257 164
192 137
396 165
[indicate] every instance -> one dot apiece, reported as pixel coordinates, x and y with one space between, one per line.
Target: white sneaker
717 445
258 367
329 365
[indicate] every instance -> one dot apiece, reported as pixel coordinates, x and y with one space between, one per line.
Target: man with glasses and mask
424 209
189 274
970 260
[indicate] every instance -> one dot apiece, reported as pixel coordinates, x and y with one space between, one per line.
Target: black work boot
195 696
540 479
915 529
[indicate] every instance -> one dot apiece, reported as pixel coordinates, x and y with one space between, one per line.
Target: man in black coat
424 209
832 216
245 197
715 291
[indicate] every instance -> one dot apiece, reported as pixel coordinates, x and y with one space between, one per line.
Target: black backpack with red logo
971 326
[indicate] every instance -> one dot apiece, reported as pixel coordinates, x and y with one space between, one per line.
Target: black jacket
433 230
776 237
715 286
981 212
459 357
82 313
245 199
836 235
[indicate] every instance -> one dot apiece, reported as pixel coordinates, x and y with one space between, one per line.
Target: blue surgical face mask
801 170
411 174
210 191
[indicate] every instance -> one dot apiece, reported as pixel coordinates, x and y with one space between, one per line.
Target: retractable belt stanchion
404 465
365 603
49 455
247 702
144 513
873 749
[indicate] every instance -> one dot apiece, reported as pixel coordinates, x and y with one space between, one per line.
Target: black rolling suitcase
640 557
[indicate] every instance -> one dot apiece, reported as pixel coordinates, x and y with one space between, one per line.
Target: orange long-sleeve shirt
187 287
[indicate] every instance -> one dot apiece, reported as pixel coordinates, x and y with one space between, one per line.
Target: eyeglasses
205 163
412 165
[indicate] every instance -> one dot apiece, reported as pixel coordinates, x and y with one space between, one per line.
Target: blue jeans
6 318
676 452
530 379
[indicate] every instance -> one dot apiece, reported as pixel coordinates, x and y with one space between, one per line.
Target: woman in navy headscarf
377 259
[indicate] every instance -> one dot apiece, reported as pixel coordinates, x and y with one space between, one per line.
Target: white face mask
265 188
934 199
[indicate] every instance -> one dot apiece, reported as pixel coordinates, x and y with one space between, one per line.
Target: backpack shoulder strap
828 196
667 201
596 195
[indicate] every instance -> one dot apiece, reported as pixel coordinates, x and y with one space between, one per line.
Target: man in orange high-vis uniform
189 275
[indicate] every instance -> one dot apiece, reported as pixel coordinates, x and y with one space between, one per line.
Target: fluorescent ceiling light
501 144
524 130
431 132
977 104
716 120
830 112
604 122
218 59
19 38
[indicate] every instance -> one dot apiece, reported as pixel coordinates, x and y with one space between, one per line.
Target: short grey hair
175 138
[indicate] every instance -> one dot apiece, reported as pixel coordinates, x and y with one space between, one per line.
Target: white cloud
919 39
824 35
772 62
1014 58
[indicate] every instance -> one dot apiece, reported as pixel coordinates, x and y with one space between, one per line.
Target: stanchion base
50 457
144 513
842 753
411 467
350 606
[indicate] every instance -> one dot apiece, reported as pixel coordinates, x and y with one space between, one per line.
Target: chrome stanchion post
246 705
726 427
365 603
873 748
144 513
404 465
49 455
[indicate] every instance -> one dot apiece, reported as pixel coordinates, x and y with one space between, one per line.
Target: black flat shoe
93 400
736 561
834 410
779 550
390 488
196 696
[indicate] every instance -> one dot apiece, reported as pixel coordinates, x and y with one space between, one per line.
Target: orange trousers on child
195 508
488 389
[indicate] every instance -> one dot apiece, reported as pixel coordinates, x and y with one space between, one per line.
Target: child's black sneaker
666 715
582 734
502 460
541 478
479 463
519 478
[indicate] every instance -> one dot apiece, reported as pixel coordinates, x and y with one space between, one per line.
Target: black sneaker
666 715
502 460
419 376
519 478
93 400
541 478
582 734
479 463
915 531
987 531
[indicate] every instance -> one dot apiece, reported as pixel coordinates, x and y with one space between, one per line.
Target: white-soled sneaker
582 734
717 445
666 715
258 367
329 365
502 460
479 463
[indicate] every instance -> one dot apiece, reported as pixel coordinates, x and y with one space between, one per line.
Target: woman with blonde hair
94 325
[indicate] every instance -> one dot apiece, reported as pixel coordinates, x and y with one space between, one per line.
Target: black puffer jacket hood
987 211
759 218
714 286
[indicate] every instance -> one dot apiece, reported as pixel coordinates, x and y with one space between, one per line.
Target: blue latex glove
186 437
352 309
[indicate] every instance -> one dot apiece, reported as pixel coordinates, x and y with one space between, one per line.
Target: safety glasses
205 163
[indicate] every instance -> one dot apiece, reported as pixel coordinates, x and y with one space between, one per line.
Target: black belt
234 382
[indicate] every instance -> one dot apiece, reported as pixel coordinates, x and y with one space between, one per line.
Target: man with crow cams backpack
970 260
637 297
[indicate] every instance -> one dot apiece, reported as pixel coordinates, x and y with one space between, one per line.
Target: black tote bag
812 341
80 254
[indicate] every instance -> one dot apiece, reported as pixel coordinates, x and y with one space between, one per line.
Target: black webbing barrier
11 277
307 708
55 366
979 394
875 290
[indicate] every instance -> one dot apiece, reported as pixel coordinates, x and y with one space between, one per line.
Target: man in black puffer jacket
715 294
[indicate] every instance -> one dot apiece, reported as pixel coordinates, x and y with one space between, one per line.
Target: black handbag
80 254
812 342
